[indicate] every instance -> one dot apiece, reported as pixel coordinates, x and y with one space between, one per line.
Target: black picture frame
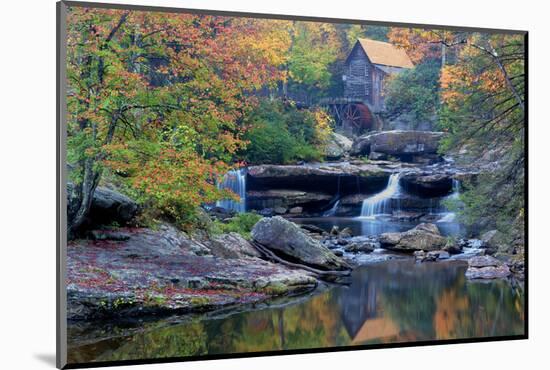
61 195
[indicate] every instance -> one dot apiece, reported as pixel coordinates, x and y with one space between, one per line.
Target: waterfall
234 180
381 203
456 189
332 211
455 195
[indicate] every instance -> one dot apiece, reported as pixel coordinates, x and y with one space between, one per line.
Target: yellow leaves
323 126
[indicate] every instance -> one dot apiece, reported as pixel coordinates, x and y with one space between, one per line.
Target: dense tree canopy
415 91
160 98
164 104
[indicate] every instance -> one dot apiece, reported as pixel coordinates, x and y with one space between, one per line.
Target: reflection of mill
361 317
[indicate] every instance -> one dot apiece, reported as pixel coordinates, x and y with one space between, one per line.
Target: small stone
341 241
296 210
280 210
346 233
266 212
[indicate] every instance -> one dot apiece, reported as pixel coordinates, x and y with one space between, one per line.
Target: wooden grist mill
366 70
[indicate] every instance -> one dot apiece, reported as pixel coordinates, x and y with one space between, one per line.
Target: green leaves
283 134
415 91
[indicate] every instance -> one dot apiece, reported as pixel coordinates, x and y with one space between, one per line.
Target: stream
389 299
388 302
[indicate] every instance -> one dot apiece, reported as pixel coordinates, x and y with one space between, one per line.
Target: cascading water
455 195
456 189
332 211
381 203
234 180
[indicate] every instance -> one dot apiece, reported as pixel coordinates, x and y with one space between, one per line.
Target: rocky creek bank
139 271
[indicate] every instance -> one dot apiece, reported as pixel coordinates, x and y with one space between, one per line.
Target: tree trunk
85 194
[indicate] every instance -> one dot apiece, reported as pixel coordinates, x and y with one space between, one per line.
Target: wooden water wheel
358 116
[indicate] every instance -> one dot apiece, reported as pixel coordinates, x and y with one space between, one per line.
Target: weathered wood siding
358 70
364 80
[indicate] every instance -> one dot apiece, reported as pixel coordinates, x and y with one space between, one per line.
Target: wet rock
266 212
430 228
453 248
279 210
424 237
341 241
483 261
296 210
432 256
106 234
287 239
331 178
335 230
157 272
313 229
421 256
439 255
338 252
360 247
337 147
404 144
407 216
108 207
427 184
486 267
232 245
260 199
470 243
491 241
346 233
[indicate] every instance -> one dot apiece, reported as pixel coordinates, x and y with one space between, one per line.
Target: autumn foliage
160 99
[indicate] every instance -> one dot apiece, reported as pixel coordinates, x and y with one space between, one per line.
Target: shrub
280 133
242 224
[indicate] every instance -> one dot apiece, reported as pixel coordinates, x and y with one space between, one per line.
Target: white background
27 182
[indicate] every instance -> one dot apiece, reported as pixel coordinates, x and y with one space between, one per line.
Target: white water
451 216
381 203
456 189
234 180
332 211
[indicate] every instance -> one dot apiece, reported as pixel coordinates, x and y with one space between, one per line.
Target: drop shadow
46 358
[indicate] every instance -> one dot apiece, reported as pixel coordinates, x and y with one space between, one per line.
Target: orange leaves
420 44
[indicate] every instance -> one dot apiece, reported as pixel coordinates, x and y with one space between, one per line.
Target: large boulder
398 143
424 237
288 241
108 206
491 241
232 245
338 146
327 178
486 267
427 184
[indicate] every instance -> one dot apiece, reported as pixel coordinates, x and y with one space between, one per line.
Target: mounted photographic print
234 184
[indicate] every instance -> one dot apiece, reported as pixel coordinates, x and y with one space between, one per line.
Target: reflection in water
389 302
